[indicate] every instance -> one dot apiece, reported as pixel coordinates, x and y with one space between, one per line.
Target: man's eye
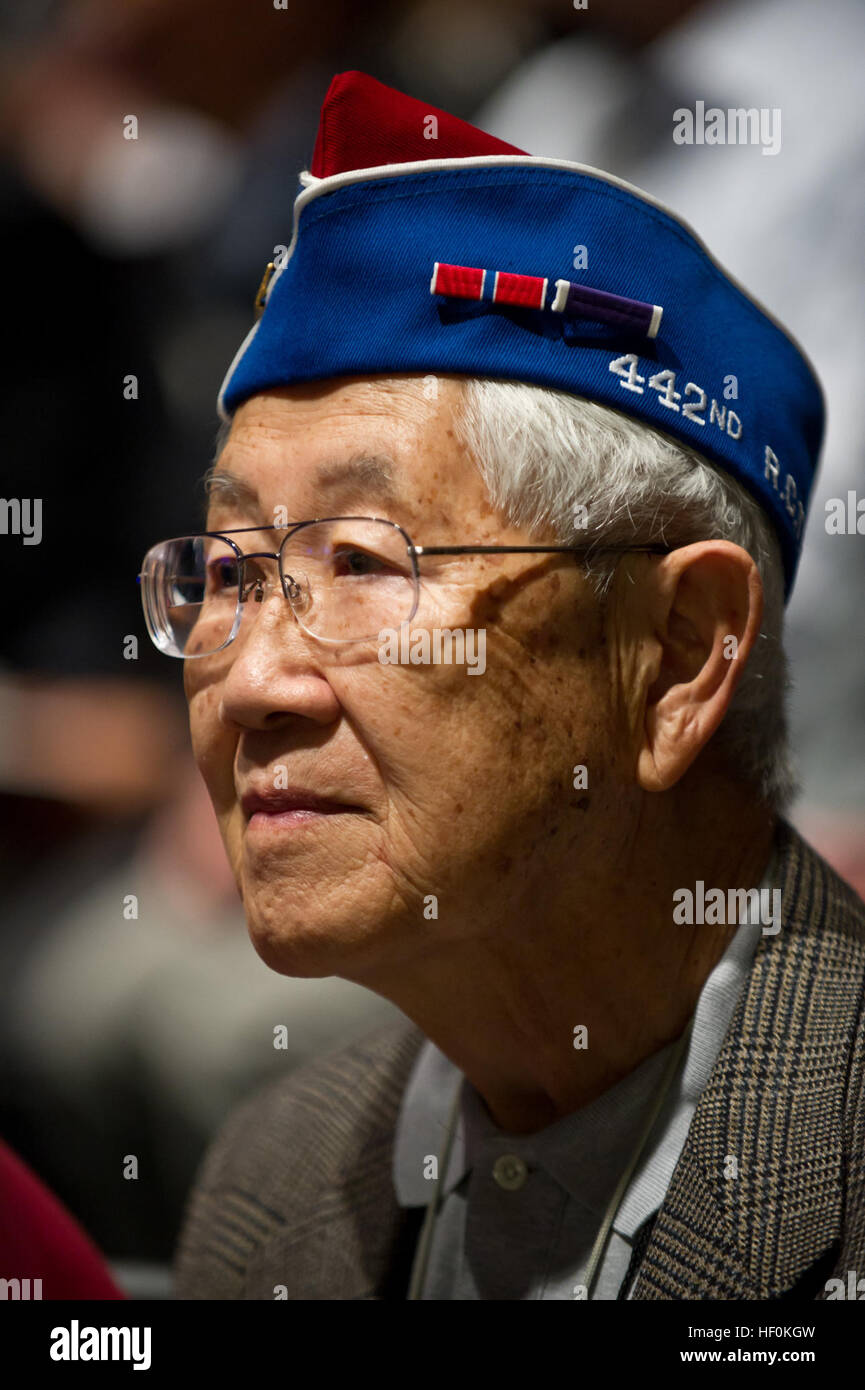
222 574
351 561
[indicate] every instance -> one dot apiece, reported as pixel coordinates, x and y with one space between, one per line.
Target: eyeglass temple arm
535 549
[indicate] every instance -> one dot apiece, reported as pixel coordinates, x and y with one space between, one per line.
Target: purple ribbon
581 302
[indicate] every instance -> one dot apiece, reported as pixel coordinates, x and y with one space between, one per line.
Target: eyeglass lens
345 579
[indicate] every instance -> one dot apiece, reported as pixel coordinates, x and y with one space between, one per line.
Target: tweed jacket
295 1197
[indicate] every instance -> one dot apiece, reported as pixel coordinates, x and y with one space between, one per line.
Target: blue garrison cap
421 244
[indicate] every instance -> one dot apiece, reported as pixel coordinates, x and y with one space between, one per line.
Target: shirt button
510 1172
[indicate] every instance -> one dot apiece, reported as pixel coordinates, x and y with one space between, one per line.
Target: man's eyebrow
362 476
223 486
364 473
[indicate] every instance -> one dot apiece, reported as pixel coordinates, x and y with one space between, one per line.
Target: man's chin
309 948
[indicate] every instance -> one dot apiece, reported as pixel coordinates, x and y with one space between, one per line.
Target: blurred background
134 1012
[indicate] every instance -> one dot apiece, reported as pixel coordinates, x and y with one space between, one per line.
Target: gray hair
545 454
222 437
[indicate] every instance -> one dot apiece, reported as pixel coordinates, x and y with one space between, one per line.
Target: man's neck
542 1023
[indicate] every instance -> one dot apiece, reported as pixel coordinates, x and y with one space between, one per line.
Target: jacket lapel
754 1208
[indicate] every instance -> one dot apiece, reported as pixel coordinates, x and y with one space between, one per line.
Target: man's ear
705 608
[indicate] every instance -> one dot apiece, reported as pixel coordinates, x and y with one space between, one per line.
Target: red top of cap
364 123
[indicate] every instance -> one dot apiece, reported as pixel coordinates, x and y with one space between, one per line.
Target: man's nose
273 675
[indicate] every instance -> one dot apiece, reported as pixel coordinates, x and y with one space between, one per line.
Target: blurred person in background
43 1249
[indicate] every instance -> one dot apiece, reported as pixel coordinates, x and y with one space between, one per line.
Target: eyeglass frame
411 549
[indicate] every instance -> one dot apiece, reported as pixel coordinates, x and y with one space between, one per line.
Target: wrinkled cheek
231 830
213 748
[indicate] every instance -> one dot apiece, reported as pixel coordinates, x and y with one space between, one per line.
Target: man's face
456 787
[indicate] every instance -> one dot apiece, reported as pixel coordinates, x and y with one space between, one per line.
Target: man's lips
288 800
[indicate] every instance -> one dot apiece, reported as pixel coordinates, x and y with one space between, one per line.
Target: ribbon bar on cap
530 292
382 205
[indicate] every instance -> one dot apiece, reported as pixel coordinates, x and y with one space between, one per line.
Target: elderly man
483 658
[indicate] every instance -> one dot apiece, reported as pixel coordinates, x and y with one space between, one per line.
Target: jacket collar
755 1200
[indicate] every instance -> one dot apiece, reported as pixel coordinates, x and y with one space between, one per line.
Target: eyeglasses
345 578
